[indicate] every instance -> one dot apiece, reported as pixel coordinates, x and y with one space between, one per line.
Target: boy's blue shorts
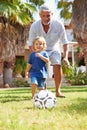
40 82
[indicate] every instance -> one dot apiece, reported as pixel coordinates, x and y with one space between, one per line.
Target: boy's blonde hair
42 40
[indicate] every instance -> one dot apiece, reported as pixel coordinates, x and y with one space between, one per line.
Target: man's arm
65 41
65 54
32 36
65 51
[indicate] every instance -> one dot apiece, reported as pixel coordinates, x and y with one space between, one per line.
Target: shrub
74 77
77 79
20 66
21 83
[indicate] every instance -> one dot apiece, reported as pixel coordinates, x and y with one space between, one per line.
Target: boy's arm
27 70
45 59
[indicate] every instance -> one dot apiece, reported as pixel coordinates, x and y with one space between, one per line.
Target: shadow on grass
17 94
13 98
80 106
15 90
71 89
21 94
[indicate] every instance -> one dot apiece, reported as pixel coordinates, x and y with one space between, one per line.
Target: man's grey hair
44 7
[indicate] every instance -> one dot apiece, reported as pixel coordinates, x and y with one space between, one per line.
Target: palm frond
7 8
29 7
16 11
23 18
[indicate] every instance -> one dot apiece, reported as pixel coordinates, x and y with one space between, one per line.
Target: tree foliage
15 11
66 9
37 2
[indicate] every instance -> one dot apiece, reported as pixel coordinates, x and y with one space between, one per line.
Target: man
53 31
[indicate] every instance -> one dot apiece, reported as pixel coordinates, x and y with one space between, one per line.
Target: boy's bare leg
45 86
34 86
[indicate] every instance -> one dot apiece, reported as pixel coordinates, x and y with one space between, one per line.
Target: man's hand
66 62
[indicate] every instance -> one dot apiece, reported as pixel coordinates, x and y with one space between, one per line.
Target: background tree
79 21
77 11
15 18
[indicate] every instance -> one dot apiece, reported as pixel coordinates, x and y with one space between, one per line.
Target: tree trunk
84 47
1 73
12 41
79 22
7 72
7 76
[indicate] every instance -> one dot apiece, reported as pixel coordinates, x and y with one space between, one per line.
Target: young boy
37 65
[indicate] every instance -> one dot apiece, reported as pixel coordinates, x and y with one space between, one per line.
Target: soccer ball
44 99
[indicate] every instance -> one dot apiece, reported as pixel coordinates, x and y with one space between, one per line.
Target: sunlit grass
17 112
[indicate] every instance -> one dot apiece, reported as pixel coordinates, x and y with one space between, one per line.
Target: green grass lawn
17 112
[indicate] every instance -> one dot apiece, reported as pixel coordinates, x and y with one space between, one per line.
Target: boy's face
45 17
38 46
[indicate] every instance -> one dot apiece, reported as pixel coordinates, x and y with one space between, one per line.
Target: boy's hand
26 76
38 55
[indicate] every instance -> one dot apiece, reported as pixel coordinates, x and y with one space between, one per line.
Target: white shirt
55 35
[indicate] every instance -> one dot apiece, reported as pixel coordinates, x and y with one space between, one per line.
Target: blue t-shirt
39 67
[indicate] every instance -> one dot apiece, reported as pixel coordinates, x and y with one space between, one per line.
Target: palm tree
79 21
15 18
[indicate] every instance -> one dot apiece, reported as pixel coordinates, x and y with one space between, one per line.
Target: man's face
45 17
